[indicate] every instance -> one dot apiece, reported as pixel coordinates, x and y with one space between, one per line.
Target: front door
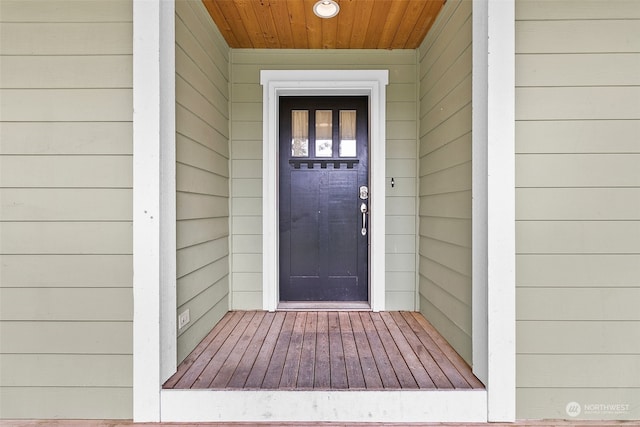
324 199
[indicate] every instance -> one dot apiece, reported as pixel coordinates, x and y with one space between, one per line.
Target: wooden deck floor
323 351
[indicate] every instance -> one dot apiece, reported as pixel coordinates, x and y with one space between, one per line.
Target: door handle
364 210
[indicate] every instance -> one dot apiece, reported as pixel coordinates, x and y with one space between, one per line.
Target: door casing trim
370 83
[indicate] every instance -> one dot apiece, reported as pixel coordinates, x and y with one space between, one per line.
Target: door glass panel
299 133
348 133
324 133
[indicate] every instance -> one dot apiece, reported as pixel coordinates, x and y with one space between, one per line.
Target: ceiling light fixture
326 8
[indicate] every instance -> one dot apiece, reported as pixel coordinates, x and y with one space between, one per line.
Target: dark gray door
323 199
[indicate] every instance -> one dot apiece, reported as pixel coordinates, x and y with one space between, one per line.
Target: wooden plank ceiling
291 24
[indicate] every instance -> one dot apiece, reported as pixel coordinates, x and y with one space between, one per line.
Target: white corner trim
153 203
479 192
370 83
146 211
500 161
168 272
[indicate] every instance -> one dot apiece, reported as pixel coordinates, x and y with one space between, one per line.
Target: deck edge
329 406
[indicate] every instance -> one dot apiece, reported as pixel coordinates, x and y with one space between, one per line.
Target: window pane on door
324 133
348 133
299 133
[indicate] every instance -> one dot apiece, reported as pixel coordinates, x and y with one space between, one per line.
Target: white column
494 204
501 210
153 203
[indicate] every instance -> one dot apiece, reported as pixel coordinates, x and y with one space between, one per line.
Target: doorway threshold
324 306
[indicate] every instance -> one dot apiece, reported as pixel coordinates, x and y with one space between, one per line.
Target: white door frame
370 83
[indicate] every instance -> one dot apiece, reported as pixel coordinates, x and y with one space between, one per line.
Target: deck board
220 357
308 353
446 348
323 350
195 354
241 373
194 370
291 369
355 378
398 363
385 368
227 369
415 368
322 370
439 378
367 362
443 362
338 369
257 373
276 364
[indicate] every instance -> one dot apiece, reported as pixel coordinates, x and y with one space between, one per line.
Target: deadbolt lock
364 192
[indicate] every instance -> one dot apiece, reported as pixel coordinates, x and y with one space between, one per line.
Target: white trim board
146 211
154 263
501 373
493 217
399 406
168 214
479 192
369 83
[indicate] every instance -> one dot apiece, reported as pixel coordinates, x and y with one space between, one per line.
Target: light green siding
202 172
445 175
246 163
66 209
578 208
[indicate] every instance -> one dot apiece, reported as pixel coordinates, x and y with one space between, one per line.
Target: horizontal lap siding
202 173
66 209
246 164
445 176
577 207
